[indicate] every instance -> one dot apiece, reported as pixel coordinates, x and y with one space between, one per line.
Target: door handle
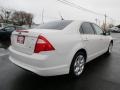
101 38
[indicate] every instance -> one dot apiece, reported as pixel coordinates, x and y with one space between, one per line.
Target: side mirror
106 33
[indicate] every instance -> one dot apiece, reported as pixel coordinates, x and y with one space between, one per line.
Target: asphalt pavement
102 73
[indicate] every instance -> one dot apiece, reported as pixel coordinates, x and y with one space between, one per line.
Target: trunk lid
25 40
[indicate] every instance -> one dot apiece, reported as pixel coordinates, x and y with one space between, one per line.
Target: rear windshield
57 25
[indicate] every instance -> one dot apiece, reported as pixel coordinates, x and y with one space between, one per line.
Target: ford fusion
59 47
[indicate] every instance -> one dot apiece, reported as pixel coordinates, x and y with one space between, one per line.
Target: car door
90 41
103 39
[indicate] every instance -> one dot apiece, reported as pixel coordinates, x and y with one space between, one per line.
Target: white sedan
59 47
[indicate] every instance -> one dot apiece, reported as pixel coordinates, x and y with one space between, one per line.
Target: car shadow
4 44
30 81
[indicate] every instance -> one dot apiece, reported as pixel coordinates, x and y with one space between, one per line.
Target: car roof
79 21
74 20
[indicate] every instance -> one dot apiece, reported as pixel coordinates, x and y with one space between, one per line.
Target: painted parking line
4 54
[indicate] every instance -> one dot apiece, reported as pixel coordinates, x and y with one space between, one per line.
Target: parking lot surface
103 73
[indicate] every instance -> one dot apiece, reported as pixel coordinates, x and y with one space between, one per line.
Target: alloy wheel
79 65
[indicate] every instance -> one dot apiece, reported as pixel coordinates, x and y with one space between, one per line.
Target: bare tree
22 18
15 17
29 19
104 26
5 15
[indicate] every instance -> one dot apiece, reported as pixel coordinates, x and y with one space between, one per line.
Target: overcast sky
53 7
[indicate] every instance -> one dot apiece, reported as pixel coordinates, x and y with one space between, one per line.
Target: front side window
87 28
98 30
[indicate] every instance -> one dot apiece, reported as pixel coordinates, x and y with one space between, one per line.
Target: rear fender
74 51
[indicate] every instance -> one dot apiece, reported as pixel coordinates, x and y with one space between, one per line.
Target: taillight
43 44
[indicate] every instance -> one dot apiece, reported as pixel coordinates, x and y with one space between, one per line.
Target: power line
79 7
85 9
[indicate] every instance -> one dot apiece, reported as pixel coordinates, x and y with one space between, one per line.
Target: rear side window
57 25
87 28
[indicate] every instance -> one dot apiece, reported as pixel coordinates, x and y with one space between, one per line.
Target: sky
53 9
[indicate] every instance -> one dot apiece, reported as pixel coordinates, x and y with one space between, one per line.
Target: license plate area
20 39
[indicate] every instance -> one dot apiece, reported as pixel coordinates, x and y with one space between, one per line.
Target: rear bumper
41 64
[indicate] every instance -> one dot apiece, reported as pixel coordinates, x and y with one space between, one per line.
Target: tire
77 65
109 51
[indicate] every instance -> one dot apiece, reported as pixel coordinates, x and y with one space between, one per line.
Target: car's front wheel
77 65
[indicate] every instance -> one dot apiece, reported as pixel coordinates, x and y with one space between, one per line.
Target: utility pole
43 16
105 22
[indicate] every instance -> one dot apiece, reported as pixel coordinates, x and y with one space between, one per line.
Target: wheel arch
79 50
83 51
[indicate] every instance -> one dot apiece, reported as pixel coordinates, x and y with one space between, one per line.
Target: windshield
57 25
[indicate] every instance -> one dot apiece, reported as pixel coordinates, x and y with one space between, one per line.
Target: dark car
5 32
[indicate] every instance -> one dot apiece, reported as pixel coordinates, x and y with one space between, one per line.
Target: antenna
61 16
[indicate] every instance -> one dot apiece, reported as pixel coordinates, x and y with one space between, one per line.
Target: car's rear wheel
110 48
77 65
